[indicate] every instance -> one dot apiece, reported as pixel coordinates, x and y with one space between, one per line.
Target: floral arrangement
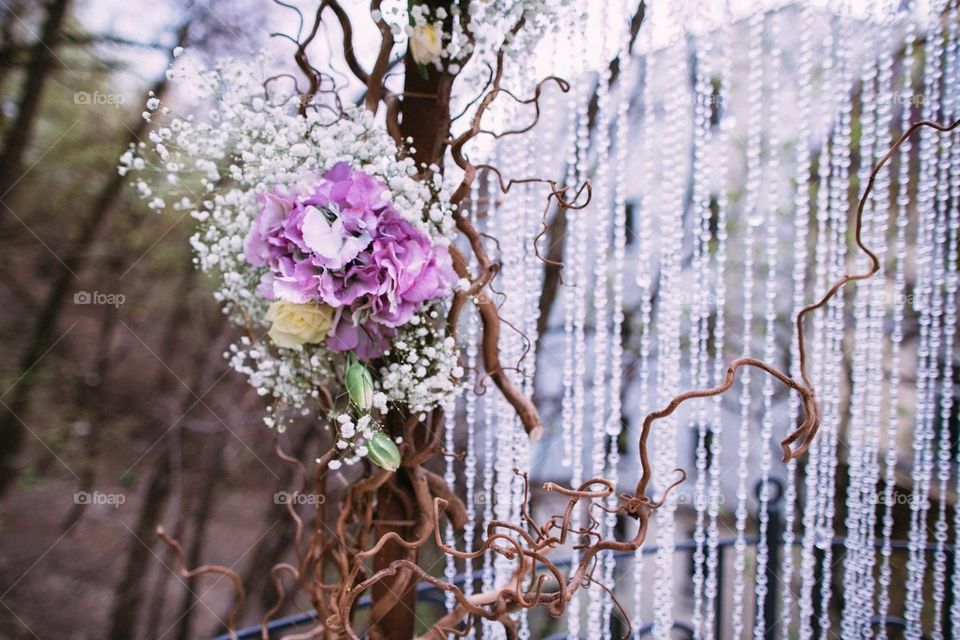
327 229
316 228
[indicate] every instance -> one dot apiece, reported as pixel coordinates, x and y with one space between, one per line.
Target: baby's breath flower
216 161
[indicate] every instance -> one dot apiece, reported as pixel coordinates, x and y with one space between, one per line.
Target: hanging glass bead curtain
726 151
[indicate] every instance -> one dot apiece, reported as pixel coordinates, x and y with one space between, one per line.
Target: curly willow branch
811 423
805 433
205 569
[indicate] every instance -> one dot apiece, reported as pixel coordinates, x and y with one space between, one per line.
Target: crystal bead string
527 288
450 478
522 292
720 171
470 461
570 295
928 375
928 341
511 306
578 276
832 221
449 475
647 271
932 75
601 248
877 313
950 322
489 454
863 343
644 283
470 420
801 212
669 210
857 417
614 422
540 146
902 201
566 421
510 453
503 415
838 203
812 468
753 216
703 94
945 185
771 205
823 529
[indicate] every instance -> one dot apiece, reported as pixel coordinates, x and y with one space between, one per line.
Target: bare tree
12 427
37 71
129 592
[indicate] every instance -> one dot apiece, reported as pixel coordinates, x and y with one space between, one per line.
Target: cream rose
293 325
426 44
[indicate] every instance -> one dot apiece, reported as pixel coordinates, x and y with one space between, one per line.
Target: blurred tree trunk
198 527
11 15
129 591
39 66
162 384
12 427
91 402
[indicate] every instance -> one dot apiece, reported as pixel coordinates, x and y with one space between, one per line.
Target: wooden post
425 118
395 599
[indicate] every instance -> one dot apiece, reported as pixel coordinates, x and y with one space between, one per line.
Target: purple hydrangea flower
343 244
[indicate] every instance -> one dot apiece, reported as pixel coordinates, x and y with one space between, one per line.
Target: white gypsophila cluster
240 139
424 370
440 38
290 377
494 24
255 141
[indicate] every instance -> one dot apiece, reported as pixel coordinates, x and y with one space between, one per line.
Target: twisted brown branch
375 88
204 570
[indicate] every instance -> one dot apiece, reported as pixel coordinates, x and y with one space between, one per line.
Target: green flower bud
383 452
360 386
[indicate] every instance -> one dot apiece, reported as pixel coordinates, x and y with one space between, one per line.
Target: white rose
293 325
426 44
